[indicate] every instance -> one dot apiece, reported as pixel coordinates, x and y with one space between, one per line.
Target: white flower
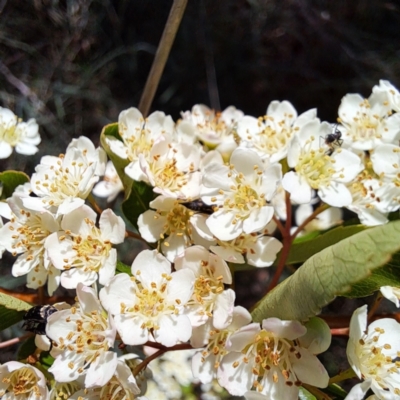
82 337
260 250
214 129
271 134
24 136
22 382
392 294
90 154
209 299
169 224
385 161
371 196
270 361
241 192
151 303
392 93
26 234
138 135
65 181
318 167
173 169
83 251
122 385
111 184
205 362
325 220
372 352
366 123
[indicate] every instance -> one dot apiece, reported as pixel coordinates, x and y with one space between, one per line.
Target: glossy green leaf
304 249
306 395
46 360
27 348
10 180
123 268
331 272
137 202
12 310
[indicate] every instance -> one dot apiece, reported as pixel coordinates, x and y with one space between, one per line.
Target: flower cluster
219 184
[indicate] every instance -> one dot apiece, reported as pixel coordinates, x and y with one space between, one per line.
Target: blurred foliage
75 64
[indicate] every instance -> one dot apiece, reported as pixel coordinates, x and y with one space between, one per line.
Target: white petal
336 195
173 329
223 310
309 369
120 290
300 191
129 328
258 219
112 227
101 370
71 278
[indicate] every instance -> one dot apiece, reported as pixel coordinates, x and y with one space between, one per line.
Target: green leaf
306 395
27 348
302 250
336 390
10 180
110 132
387 276
137 202
123 268
331 272
12 310
12 303
46 360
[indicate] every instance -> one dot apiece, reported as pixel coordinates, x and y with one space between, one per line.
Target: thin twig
15 340
374 306
167 39
319 210
287 242
94 204
144 363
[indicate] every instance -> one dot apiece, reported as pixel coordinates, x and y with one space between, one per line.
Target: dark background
75 64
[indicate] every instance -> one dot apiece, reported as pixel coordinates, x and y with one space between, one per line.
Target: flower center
12 135
64 390
243 197
150 301
91 251
177 222
206 288
215 346
167 175
87 338
270 140
316 167
271 360
213 129
375 364
31 235
21 381
136 145
62 182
